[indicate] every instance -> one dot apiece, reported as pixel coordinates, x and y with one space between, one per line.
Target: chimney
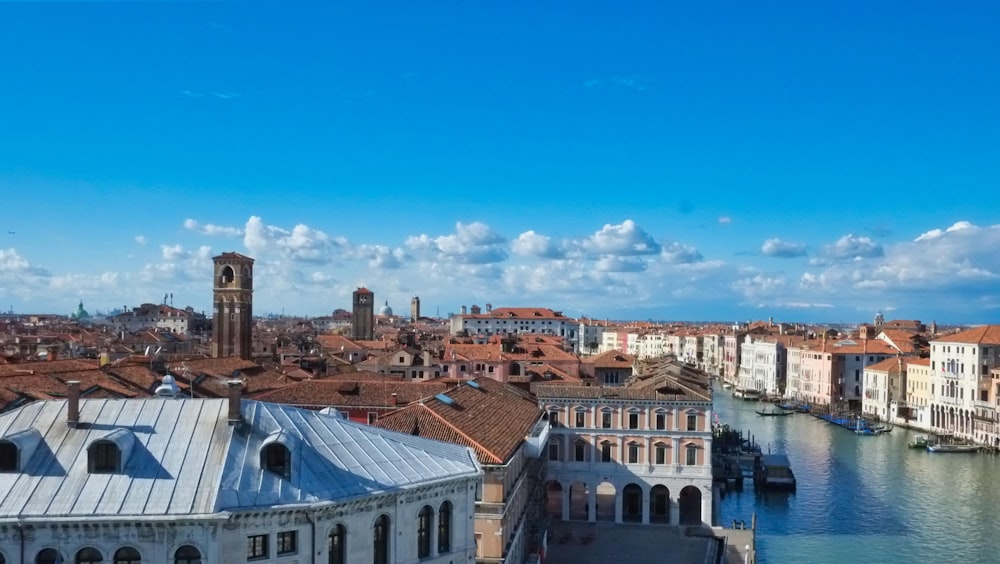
73 403
394 399
51 353
235 396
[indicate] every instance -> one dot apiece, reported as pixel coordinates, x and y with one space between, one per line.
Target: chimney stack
73 403
394 399
51 353
235 397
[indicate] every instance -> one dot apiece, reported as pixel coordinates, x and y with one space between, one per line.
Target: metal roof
183 458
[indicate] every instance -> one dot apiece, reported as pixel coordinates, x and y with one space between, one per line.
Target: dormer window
104 457
277 459
8 456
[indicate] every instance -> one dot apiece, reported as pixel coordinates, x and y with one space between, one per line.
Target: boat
803 408
727 386
952 448
747 395
773 472
920 441
774 413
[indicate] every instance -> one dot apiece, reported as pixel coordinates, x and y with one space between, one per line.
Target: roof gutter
90 519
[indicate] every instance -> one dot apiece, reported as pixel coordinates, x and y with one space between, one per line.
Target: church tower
363 315
415 309
232 306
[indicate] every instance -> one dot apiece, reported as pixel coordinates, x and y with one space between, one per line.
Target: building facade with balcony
640 453
914 410
962 380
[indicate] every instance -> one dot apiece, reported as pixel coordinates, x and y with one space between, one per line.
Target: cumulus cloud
782 249
530 243
937 233
624 239
679 253
15 267
759 286
620 264
382 257
211 229
850 246
302 243
471 243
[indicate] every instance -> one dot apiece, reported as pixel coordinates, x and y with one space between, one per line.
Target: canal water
864 498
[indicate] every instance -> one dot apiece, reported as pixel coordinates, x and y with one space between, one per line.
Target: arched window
89 556
444 528
381 537
228 275
424 519
127 555
187 554
337 541
277 458
48 556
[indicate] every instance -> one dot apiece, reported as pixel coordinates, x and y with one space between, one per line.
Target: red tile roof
985 335
491 417
342 392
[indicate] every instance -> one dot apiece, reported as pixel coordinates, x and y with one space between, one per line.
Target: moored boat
920 441
952 448
765 413
774 471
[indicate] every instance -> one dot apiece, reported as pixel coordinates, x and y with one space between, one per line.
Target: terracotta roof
47 367
610 359
336 342
985 335
351 393
519 313
491 417
918 361
888 365
232 255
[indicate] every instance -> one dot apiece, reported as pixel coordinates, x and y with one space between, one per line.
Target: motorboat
952 448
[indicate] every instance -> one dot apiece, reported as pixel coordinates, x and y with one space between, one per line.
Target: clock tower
363 316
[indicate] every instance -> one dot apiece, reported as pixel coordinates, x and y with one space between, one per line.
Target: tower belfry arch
232 306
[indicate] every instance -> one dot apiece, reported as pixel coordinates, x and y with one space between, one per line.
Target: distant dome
385 310
80 313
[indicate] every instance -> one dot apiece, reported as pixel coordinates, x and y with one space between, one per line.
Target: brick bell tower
363 315
232 306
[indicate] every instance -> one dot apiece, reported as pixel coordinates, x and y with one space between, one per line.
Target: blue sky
698 161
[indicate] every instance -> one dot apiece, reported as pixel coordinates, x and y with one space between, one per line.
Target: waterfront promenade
864 495
634 544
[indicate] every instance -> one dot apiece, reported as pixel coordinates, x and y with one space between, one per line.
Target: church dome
385 310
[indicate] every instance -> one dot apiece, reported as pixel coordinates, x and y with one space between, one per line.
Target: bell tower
232 306
363 316
415 309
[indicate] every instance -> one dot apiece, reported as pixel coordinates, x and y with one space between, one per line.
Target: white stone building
190 481
517 320
640 453
961 381
762 366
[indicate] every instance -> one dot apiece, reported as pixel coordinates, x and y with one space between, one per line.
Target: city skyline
724 162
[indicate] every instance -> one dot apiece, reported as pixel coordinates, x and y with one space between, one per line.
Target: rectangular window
581 419
554 451
633 420
256 547
287 542
554 418
692 421
633 454
372 416
661 421
692 456
606 452
606 420
580 452
661 454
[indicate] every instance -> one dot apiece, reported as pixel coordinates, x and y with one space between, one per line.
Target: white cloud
211 229
141 240
624 239
759 286
471 243
935 233
620 264
382 257
850 246
301 244
782 249
13 266
725 219
530 243
679 253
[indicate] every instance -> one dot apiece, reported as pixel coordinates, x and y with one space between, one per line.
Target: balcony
980 404
949 401
537 439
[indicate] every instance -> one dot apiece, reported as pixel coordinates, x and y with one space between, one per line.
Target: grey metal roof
183 458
